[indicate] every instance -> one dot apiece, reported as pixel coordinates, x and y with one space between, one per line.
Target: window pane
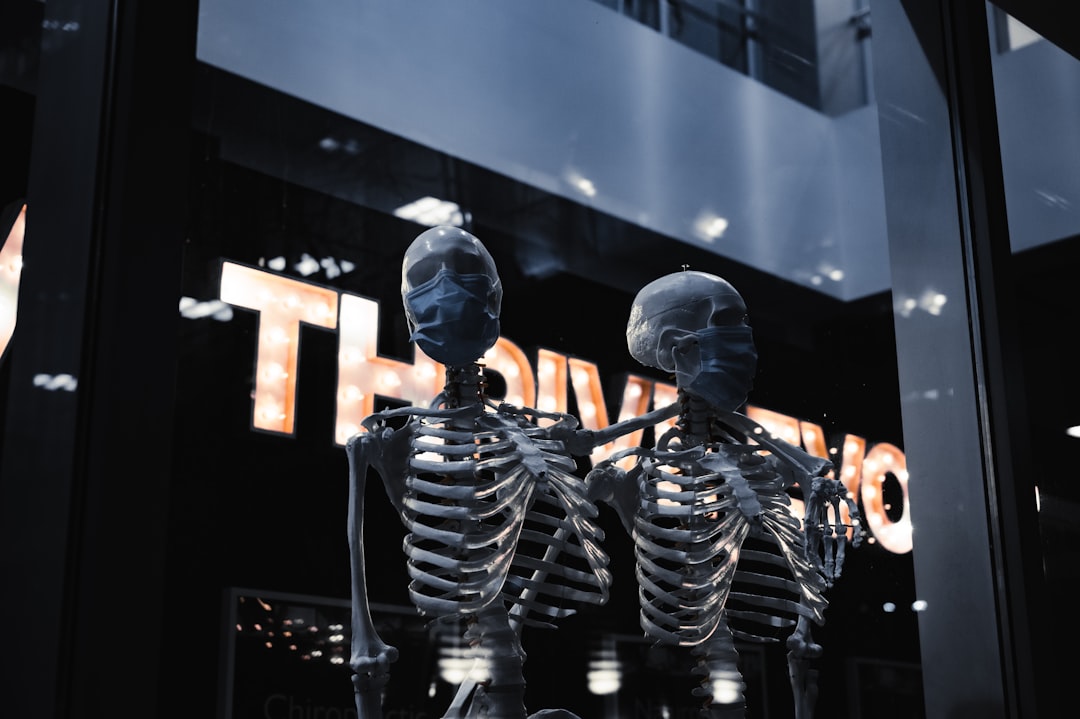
1037 87
591 154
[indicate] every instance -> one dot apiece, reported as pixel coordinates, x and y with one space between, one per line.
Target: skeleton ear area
671 340
494 298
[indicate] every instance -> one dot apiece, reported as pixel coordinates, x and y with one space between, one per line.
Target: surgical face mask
453 323
719 366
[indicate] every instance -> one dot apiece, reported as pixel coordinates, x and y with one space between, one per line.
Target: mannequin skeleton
713 484
500 531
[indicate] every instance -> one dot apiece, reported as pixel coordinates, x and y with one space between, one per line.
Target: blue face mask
723 373
453 323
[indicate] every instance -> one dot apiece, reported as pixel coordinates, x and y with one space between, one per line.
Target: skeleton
500 532
719 554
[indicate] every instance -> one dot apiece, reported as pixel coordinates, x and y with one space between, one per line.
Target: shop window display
239 486
317 155
285 190
242 517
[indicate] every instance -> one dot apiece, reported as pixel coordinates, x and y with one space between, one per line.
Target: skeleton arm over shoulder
581 442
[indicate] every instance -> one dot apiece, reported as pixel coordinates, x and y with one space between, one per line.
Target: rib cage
764 603
463 518
715 535
492 510
559 561
687 539
774 583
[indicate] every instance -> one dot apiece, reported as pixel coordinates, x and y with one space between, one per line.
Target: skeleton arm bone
801 650
626 426
581 442
385 450
370 656
795 464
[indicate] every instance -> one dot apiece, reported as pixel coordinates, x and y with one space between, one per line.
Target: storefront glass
1035 84
592 147
305 180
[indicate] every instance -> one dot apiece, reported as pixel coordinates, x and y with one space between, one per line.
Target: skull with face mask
452 295
694 325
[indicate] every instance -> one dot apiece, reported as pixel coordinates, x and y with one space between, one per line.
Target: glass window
1035 86
310 179
592 151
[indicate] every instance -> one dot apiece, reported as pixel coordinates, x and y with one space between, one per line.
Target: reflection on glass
1037 88
815 52
321 198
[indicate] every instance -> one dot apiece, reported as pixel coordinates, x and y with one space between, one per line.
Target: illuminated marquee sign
283 304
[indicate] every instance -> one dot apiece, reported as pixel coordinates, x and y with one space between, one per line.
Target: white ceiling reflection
432 211
193 309
590 105
62 382
930 301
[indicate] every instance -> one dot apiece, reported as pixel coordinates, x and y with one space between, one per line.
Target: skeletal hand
826 531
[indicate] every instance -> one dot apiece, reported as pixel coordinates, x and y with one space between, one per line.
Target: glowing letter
507 359
779 425
885 459
637 393
592 409
851 470
553 371
282 304
663 395
10 271
551 381
362 373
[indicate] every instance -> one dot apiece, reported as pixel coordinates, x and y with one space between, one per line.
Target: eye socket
728 317
463 263
468 264
422 270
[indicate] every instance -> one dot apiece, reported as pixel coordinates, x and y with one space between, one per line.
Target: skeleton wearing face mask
500 533
719 554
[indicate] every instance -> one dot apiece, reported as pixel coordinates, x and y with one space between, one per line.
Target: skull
667 310
452 295
449 248
694 324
